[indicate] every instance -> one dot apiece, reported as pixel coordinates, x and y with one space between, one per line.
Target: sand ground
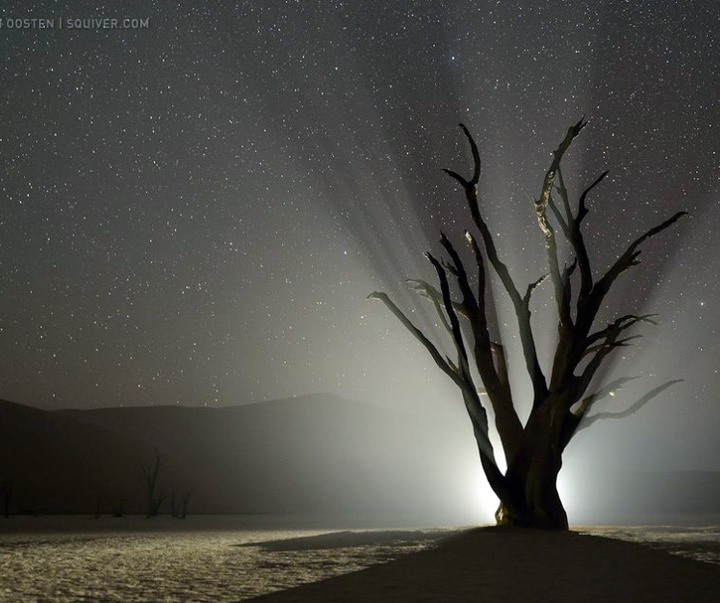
501 564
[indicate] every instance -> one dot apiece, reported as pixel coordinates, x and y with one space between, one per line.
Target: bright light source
568 491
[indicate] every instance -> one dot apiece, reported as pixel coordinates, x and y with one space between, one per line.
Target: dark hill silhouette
311 454
308 455
56 464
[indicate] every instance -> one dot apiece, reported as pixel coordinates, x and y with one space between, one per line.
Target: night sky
194 212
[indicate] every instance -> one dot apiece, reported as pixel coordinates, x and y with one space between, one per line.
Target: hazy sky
194 211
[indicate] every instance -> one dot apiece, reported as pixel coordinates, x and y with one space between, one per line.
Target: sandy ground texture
501 564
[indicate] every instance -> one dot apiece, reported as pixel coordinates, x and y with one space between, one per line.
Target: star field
194 212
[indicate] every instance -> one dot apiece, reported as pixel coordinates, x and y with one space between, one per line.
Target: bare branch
610 389
480 262
476 162
487 361
532 286
578 241
582 208
541 206
477 413
619 325
562 190
454 323
426 290
455 176
599 352
576 414
448 369
632 409
452 365
521 310
565 227
549 179
626 260
501 364
621 343
476 156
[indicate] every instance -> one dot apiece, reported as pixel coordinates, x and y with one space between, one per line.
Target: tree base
557 520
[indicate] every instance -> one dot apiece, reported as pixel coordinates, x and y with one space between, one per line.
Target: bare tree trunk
118 508
545 509
173 503
98 506
154 500
184 501
531 498
6 490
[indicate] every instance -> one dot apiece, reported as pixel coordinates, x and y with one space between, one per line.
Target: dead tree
560 402
6 495
173 503
118 507
184 501
154 496
98 506
179 503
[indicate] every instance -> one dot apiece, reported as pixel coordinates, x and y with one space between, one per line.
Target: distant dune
54 463
309 455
